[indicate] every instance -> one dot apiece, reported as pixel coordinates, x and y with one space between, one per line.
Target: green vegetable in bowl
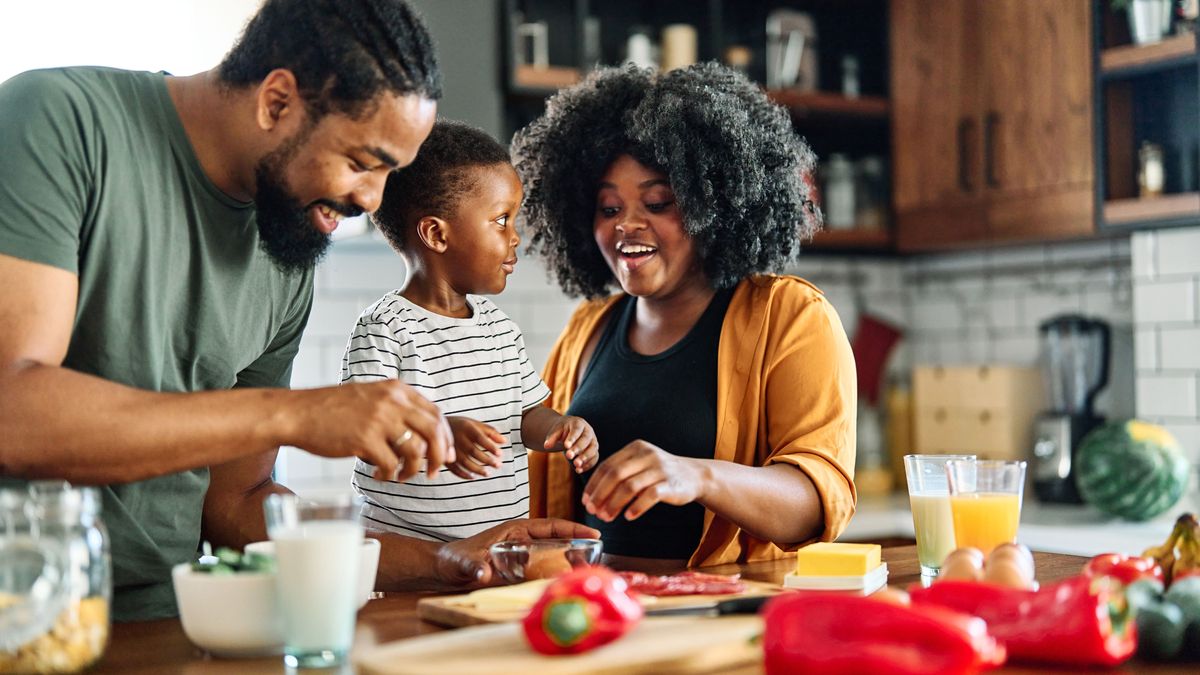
229 561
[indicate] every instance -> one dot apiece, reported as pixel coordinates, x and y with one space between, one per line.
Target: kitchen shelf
1128 60
860 238
547 79
1166 207
825 104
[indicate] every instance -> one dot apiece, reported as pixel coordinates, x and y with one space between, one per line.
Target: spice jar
55 578
1150 170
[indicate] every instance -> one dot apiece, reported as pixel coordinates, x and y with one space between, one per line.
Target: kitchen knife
746 605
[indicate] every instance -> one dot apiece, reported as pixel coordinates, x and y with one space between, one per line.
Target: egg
1008 572
962 563
1015 552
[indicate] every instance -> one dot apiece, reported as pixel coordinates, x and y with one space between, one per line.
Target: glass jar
55 578
1151 176
871 194
839 192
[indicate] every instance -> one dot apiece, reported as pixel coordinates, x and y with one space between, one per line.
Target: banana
1164 554
1189 546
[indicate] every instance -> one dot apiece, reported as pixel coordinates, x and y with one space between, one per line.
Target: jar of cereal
55 578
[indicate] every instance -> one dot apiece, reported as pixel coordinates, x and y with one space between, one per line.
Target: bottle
871 194
850 85
639 48
839 192
1150 170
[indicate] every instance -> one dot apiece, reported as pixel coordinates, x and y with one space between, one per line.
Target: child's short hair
437 178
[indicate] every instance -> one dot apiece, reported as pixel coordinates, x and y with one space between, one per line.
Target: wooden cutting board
449 610
656 645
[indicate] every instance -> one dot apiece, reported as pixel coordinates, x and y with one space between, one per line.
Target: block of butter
831 559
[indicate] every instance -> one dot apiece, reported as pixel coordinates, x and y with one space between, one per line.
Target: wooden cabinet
992 115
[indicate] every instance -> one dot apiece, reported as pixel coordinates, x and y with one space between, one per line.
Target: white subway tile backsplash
1179 252
932 313
1167 396
891 307
1146 349
1112 302
1016 350
1179 348
1188 435
1143 254
1003 312
1038 306
1164 301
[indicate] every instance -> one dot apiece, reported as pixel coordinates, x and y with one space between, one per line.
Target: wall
1166 289
984 307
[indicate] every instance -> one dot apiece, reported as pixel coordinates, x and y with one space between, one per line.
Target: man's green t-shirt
98 177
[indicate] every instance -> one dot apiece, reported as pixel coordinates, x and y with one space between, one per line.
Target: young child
451 216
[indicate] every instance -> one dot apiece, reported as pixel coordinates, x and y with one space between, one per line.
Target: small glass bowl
542 558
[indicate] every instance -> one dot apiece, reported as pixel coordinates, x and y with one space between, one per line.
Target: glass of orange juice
985 501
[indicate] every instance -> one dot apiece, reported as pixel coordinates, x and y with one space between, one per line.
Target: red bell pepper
843 634
1079 621
582 609
1124 568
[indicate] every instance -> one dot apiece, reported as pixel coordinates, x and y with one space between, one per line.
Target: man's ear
432 232
278 100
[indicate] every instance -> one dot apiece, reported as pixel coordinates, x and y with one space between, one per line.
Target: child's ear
432 232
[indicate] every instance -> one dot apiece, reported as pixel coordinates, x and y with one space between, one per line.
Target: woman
723 400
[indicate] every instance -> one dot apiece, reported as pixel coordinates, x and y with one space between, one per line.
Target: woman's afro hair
741 175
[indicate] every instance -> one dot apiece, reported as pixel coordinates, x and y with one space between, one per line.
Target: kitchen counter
160 647
1056 528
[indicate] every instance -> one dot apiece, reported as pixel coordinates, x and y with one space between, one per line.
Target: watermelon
1131 469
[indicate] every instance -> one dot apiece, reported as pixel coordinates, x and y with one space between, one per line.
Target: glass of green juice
929 498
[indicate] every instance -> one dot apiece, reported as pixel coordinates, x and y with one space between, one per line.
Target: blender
1074 360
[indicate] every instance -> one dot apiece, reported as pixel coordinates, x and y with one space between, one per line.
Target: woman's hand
477 447
641 475
578 441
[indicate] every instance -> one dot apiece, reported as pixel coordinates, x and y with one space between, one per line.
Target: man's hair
343 53
437 179
738 170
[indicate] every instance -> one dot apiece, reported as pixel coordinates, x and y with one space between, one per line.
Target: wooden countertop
161 647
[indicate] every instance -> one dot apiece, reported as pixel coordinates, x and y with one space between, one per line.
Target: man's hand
477 446
387 424
466 563
574 436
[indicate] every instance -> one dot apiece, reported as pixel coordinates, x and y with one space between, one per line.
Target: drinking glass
317 545
985 501
929 498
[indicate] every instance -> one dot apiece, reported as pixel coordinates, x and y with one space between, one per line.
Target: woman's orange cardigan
786 393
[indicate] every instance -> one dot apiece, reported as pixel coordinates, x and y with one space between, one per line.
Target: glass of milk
929 497
317 545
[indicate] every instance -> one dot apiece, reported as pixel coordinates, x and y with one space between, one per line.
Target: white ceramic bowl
368 564
232 615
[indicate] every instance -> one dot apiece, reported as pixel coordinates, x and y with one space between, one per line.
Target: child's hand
476 446
576 438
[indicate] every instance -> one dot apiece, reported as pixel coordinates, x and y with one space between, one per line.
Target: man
157 243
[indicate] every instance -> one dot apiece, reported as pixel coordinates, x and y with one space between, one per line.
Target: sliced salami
684 583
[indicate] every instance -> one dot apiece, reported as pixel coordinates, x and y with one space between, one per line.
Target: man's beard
285 230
